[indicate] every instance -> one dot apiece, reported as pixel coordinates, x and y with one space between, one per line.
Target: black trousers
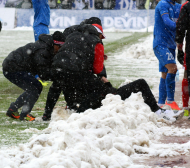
32 89
84 90
139 85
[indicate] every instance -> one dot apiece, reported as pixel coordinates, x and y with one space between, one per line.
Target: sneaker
29 117
173 105
13 114
178 114
166 114
46 117
186 113
170 115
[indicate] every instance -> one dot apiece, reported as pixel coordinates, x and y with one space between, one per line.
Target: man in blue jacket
166 15
41 17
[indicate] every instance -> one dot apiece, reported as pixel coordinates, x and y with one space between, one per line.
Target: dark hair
92 20
58 36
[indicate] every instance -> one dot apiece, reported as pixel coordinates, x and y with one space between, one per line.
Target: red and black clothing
81 56
71 67
182 30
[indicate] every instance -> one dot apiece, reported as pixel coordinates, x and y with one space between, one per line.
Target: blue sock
170 86
162 91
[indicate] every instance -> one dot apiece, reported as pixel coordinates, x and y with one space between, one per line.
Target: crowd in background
81 4
64 4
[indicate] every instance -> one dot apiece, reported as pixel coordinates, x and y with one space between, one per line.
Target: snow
111 136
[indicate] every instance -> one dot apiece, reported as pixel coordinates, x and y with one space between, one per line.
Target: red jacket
98 58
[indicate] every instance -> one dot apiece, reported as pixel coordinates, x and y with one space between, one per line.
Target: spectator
41 17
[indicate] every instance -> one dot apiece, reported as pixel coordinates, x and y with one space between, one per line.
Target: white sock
169 102
158 111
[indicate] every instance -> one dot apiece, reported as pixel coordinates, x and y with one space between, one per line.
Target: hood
92 20
88 29
45 38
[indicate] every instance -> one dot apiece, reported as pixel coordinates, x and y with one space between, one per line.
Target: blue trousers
40 29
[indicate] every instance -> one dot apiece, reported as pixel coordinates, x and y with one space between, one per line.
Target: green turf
11 129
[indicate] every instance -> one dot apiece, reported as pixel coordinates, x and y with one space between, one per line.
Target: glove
43 83
180 56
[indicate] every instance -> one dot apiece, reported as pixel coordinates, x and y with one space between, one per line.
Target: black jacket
77 53
77 28
34 58
183 24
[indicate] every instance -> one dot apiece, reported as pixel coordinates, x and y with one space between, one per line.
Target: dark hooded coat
72 71
77 53
34 58
182 31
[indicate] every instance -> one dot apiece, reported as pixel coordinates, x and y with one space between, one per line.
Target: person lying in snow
20 67
72 68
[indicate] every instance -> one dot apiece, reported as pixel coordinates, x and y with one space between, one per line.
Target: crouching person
21 66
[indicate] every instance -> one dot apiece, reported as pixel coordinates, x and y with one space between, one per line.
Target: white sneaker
166 115
178 114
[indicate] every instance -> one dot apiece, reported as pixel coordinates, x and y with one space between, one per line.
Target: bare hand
179 46
104 79
105 57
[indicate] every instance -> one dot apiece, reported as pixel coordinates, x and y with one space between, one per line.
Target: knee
172 69
142 81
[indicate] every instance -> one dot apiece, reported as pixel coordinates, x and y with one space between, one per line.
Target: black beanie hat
58 37
92 20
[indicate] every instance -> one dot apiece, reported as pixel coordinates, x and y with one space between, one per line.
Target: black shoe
46 117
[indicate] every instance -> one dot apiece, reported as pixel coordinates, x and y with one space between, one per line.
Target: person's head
92 20
58 40
99 30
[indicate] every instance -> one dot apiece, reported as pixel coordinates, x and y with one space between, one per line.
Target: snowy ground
109 137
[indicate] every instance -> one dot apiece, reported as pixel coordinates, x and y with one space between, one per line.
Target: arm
181 27
164 13
102 73
98 58
53 96
42 61
168 22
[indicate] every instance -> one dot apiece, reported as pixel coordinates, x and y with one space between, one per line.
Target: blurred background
83 4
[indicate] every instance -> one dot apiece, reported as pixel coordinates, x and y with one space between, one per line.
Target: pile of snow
109 136
142 50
